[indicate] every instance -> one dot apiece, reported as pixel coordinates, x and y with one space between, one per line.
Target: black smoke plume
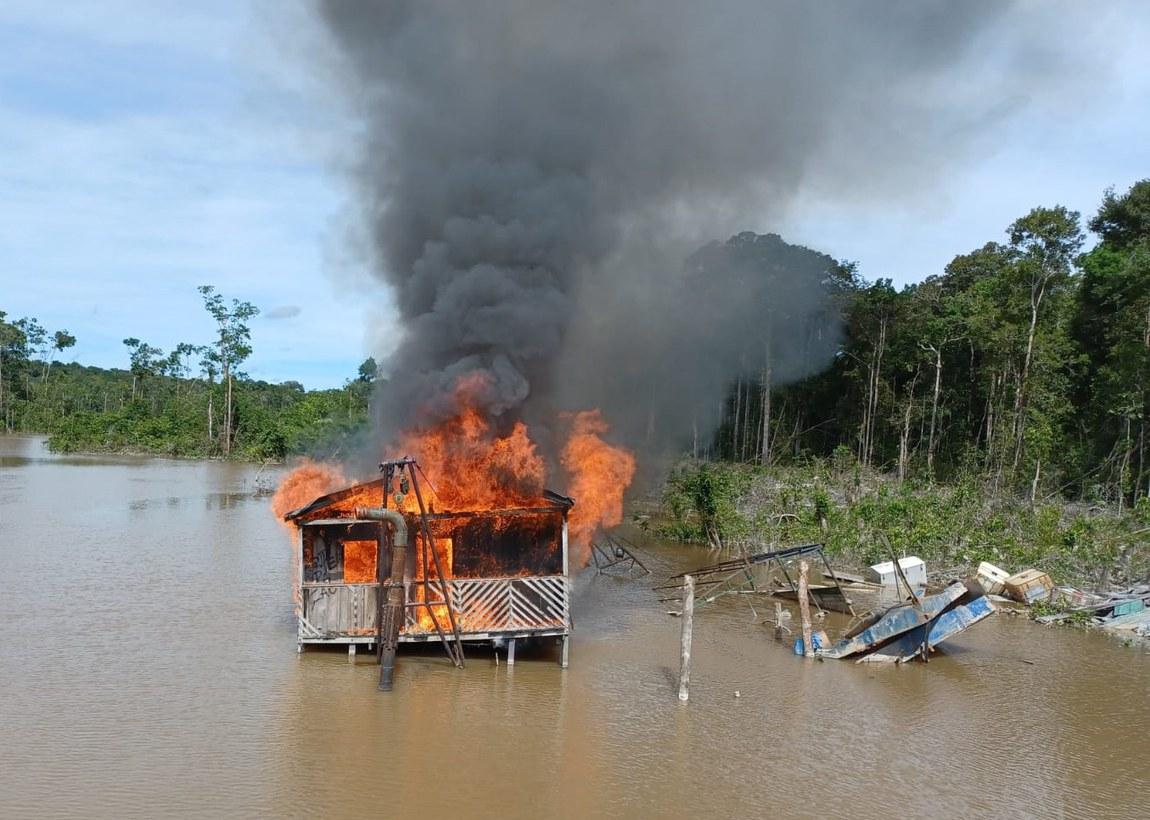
533 174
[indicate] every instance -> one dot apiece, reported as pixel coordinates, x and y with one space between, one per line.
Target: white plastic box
991 578
913 568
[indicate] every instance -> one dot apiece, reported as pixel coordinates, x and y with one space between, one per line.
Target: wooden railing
331 612
489 605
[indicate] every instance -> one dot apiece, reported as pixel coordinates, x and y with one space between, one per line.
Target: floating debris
1029 586
615 554
754 574
991 578
914 570
909 630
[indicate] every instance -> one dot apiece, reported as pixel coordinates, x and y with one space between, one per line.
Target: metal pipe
391 614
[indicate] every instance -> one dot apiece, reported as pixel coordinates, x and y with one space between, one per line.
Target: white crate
913 568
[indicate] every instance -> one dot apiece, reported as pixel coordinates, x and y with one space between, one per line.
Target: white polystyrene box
913 568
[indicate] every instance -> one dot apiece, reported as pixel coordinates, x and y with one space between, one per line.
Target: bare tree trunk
904 436
1037 292
990 396
934 411
228 415
768 372
904 444
1145 408
876 379
735 421
1124 467
1141 457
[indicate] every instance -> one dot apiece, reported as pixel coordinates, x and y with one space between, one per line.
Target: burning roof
342 503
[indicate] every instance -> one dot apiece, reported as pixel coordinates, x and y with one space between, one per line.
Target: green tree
61 341
145 361
13 349
231 348
1046 240
368 370
1112 327
1124 221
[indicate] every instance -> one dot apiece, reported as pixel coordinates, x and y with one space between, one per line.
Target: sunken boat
913 629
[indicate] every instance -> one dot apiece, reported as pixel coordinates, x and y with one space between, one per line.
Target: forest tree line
194 400
1026 362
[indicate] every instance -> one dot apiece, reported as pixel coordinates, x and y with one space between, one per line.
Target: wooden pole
685 640
805 609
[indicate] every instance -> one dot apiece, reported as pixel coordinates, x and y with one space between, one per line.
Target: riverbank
952 527
44 442
109 411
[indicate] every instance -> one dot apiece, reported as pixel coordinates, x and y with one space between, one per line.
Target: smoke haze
532 176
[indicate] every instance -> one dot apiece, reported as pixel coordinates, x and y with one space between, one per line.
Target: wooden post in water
778 621
805 609
685 640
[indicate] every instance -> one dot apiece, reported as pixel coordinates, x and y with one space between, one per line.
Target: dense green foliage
839 503
1025 364
996 411
157 405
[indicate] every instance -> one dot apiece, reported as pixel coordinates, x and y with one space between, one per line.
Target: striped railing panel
486 605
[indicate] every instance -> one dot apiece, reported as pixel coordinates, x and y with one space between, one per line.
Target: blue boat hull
898 621
902 632
951 622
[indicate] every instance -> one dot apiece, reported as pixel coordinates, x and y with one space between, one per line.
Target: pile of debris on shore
910 611
1124 611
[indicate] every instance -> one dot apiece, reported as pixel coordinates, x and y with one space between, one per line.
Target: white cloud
114 212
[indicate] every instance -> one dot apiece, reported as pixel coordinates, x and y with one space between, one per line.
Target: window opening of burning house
487 575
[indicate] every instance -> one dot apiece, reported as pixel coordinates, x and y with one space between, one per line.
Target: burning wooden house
471 576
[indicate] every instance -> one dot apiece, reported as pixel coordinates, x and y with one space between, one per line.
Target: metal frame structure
737 576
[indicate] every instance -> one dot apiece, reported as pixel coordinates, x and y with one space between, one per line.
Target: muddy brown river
148 668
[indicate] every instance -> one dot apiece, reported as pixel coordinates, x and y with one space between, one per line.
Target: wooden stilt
685 637
565 651
511 652
351 653
805 609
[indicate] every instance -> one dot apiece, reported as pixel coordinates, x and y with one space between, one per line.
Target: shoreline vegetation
994 411
194 401
744 507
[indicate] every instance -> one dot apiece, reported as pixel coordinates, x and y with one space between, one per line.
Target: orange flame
472 468
599 475
444 549
305 484
301 486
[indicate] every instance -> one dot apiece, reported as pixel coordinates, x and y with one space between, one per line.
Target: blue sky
147 148
152 147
